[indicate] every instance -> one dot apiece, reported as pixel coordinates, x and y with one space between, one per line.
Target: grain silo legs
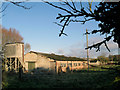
15 64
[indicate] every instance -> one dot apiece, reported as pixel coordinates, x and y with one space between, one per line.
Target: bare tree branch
73 5
75 13
107 46
97 46
102 13
83 21
64 27
3 9
58 24
57 7
19 4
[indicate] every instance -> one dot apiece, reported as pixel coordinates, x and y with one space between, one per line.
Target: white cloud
60 51
78 49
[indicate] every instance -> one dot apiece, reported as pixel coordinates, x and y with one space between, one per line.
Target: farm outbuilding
52 62
34 60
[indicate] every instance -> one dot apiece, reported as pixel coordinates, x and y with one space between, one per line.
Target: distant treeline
109 58
114 57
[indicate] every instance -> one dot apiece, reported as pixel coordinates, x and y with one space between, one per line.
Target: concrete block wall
43 62
40 61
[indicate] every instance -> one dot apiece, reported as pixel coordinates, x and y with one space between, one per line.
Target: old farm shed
52 62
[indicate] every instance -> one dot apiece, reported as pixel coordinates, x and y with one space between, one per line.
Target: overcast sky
37 28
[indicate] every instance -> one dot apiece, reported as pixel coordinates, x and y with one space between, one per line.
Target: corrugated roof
59 57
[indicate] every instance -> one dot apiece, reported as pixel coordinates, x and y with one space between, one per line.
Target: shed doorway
31 65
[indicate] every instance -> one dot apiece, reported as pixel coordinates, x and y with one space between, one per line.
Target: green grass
95 78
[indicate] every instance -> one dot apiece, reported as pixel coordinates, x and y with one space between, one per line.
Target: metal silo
14 55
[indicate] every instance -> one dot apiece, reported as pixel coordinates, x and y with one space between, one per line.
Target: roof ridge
59 57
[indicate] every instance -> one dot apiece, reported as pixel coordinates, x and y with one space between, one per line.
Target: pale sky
37 28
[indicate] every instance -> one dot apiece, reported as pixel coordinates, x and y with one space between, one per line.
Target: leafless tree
12 35
20 3
27 47
107 13
6 34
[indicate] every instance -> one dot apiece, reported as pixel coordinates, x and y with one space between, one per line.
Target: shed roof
59 57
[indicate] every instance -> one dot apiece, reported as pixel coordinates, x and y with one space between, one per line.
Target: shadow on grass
76 79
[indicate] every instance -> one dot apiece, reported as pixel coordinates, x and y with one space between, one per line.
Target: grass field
95 78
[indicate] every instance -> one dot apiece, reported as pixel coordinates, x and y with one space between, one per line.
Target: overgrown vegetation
114 58
94 78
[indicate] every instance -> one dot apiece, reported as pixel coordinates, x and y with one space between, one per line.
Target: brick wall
73 65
